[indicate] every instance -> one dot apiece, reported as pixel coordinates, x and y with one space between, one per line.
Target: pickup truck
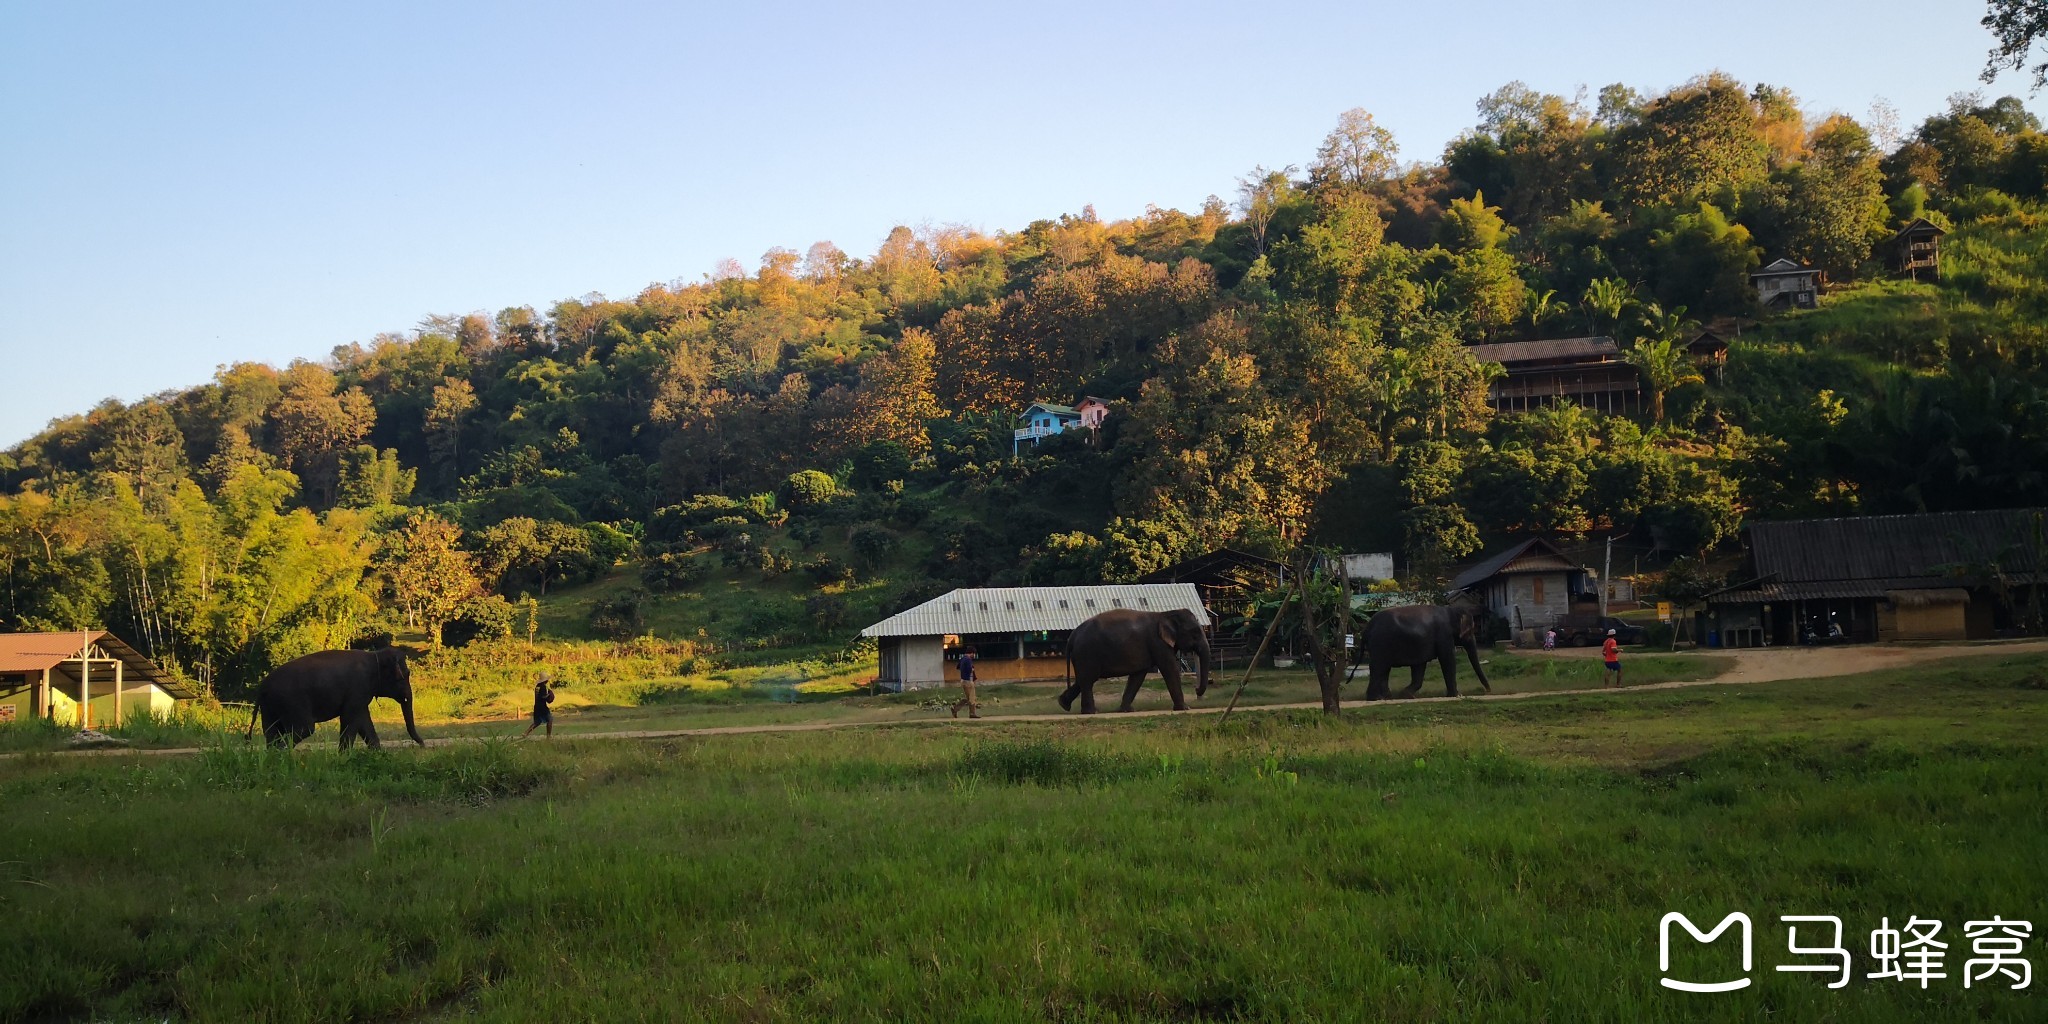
1591 631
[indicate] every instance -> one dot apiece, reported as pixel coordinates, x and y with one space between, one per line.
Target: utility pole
1607 573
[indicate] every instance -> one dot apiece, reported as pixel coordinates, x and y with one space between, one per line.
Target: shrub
1040 762
485 617
669 573
620 617
827 611
825 569
880 461
810 488
872 543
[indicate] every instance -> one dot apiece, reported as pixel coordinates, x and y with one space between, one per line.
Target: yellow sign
1663 611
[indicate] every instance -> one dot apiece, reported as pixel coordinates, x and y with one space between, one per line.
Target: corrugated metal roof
1543 555
31 653
1033 609
1891 547
1509 353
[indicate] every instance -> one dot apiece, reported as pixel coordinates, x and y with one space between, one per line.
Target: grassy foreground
1497 861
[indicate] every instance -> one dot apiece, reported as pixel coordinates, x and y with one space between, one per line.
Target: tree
430 574
1260 195
1471 224
2018 25
897 395
370 478
1691 144
1356 153
454 399
1664 365
1606 300
315 423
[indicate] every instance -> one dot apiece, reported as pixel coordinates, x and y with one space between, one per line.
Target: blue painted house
1044 419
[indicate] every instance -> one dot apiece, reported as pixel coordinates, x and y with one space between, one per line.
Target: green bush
620 617
672 572
484 617
827 611
810 488
872 543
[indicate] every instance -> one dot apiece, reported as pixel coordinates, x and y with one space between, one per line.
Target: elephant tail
250 734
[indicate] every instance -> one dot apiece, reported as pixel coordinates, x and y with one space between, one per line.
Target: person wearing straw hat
543 695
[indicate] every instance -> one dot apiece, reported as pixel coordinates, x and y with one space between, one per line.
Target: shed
1588 371
1530 585
1019 633
1784 284
89 678
1915 252
1903 577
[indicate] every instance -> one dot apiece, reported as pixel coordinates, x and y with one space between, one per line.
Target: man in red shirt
1611 651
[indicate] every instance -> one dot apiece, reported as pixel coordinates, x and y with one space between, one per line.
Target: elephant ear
1166 634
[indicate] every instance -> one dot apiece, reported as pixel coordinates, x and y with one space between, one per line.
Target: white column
117 693
84 691
44 708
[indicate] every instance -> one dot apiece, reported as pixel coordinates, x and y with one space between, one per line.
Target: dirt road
1751 666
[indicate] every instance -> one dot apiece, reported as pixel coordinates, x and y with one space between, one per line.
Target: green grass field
1470 861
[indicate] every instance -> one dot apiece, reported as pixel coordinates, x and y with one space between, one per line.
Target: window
1144 602
1537 585
956 606
1117 602
984 606
1037 606
1063 603
1090 602
1010 606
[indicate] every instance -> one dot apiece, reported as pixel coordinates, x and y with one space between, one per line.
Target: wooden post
84 690
1260 653
44 710
117 693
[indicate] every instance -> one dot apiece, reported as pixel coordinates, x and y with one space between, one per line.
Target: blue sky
187 185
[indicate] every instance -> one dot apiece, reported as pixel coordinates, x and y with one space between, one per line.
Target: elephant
1130 643
305 691
1414 636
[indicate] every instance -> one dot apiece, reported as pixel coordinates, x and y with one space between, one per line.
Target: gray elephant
1415 635
304 692
1130 643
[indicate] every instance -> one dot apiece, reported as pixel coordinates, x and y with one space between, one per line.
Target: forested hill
1290 364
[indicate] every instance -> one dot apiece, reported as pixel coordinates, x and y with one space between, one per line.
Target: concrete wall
924 663
1509 593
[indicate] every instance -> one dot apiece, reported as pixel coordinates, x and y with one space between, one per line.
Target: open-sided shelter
1906 577
89 678
1019 634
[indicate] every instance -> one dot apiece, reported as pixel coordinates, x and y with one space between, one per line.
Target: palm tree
1607 299
1664 365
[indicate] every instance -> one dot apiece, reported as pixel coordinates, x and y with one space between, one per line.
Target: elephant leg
1170 672
1131 686
1075 689
1414 680
1088 697
1449 661
348 732
367 730
274 733
1376 681
300 732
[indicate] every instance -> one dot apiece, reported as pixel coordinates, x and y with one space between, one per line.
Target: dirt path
1751 666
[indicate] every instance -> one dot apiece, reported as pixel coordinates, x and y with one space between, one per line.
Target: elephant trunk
1471 646
406 707
1202 669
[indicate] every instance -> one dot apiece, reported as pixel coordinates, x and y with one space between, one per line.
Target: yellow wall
134 699
1927 622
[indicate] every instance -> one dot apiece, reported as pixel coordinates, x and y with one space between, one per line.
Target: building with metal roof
1529 586
1905 577
1017 633
1588 371
87 678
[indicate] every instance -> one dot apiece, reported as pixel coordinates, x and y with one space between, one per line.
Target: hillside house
1045 419
1019 634
1588 371
89 679
1529 586
1880 578
1915 252
1783 284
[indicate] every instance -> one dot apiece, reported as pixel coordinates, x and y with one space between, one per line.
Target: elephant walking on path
1415 635
1131 643
300 694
